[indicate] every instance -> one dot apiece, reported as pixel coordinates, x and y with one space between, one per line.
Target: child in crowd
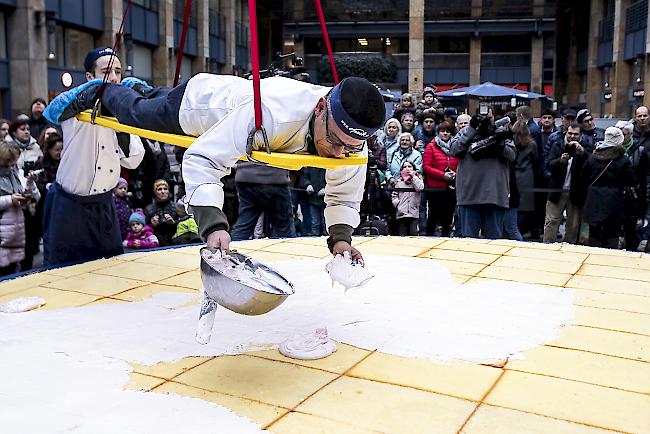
406 104
139 235
407 203
428 106
161 214
187 231
122 205
16 192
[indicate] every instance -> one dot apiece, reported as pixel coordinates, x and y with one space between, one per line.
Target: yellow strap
275 159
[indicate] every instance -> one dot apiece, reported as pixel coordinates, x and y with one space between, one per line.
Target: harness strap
181 45
323 26
255 63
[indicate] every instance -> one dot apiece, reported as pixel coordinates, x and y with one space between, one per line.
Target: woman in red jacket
440 175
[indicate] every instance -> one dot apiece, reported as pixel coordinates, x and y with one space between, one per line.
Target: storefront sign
638 93
607 96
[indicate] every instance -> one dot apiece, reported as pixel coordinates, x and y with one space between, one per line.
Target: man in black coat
565 162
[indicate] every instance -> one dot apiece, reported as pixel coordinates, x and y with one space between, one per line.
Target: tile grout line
343 374
576 381
481 401
180 373
557 418
615 310
595 352
611 330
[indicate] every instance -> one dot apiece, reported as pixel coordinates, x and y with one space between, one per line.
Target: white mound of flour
64 370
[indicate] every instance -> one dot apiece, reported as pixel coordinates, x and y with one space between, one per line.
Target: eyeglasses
334 140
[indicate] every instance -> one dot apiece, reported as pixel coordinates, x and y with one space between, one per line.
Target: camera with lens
486 145
570 148
451 180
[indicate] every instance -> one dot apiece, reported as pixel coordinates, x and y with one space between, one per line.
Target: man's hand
321 192
219 240
155 220
344 246
309 189
579 149
169 218
565 157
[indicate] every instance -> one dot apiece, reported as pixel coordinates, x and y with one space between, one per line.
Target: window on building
3 36
71 47
143 62
149 4
179 11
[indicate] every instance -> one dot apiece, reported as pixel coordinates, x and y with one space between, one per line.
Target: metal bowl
237 296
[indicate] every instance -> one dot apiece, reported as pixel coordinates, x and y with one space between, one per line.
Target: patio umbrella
490 90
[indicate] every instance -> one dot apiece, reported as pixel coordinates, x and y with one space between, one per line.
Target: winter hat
357 107
121 181
613 138
137 216
428 90
158 183
582 114
95 54
625 125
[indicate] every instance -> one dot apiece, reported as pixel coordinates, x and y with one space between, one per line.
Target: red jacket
434 164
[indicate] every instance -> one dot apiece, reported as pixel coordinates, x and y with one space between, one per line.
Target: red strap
323 26
181 45
255 63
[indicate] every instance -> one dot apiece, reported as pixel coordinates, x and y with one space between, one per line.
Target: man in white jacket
298 117
79 218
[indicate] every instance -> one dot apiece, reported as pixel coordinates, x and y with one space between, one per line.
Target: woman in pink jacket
439 169
15 194
407 203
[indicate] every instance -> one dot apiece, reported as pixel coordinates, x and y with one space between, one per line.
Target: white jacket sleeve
212 155
343 194
136 154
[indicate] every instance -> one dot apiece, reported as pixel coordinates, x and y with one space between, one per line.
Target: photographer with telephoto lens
485 149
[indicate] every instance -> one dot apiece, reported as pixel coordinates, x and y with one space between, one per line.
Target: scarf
9 180
445 147
405 152
22 145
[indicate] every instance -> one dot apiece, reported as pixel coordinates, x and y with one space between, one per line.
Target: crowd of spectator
431 172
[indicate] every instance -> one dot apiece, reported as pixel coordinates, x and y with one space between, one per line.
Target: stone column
475 55
594 74
620 72
163 67
229 9
573 80
113 13
416 47
646 81
27 40
536 71
200 63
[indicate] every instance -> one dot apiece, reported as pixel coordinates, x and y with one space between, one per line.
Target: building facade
441 43
41 40
603 55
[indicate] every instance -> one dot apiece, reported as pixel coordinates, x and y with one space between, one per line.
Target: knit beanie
122 181
613 138
582 114
428 90
158 183
137 216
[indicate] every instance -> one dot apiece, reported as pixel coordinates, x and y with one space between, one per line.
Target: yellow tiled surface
593 378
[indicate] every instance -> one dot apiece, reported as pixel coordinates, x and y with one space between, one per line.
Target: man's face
573 134
428 98
101 68
588 123
37 108
548 121
642 117
428 125
407 122
462 122
330 141
567 120
162 192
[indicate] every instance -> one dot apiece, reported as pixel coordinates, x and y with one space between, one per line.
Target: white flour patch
65 370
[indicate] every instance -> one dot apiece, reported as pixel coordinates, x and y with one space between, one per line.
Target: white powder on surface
64 370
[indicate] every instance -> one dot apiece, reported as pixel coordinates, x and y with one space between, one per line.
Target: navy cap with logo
95 54
357 107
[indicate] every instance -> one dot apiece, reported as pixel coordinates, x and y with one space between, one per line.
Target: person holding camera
406 199
439 168
565 160
161 215
485 149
